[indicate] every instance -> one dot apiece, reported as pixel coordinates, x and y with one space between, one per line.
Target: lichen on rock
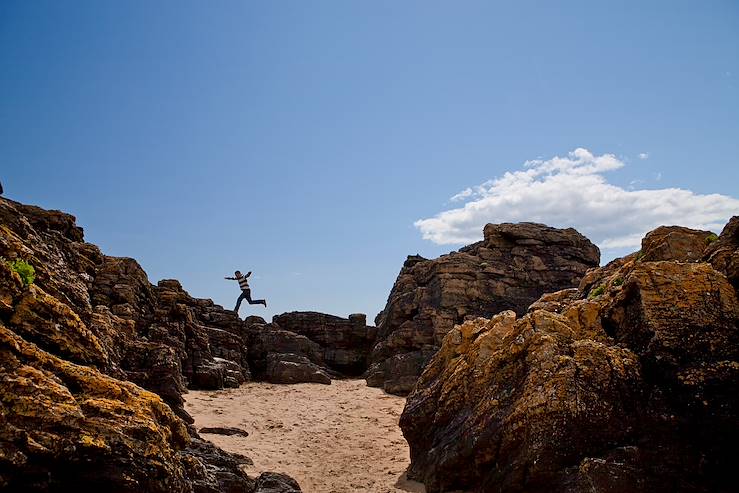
634 389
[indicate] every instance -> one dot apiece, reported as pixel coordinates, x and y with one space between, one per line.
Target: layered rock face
345 342
513 266
281 356
628 383
79 347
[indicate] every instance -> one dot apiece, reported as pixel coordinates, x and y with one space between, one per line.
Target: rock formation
345 342
723 252
628 383
281 356
93 363
513 266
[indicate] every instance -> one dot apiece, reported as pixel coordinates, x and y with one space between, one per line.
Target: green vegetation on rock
597 292
23 269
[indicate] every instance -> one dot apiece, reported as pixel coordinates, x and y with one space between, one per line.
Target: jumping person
245 290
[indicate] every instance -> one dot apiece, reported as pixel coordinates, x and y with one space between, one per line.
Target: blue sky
310 141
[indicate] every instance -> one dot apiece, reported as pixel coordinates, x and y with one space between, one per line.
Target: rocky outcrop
674 243
282 356
79 347
345 342
513 266
628 383
723 252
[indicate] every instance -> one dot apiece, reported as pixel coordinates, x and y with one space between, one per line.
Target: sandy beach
331 438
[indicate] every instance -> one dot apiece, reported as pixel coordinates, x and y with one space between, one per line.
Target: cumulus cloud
573 191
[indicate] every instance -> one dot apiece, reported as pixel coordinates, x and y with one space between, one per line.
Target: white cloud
643 155
462 195
572 191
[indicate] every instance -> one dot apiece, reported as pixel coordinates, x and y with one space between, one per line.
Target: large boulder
626 384
513 266
346 342
281 356
674 243
293 368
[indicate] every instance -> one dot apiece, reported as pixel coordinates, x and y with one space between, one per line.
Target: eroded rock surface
513 266
79 347
346 342
674 243
723 253
626 384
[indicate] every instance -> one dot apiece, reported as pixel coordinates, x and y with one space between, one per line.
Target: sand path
333 438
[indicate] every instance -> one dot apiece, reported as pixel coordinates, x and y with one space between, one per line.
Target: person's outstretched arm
248 274
230 278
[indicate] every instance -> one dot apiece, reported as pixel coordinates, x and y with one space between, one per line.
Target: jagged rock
723 253
628 385
52 325
68 420
207 336
399 373
281 356
293 368
512 267
64 424
122 285
213 470
674 243
345 342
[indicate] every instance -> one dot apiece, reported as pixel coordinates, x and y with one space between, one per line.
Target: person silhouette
245 290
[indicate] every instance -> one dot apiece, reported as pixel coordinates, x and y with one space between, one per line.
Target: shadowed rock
224 430
345 342
723 253
270 482
513 266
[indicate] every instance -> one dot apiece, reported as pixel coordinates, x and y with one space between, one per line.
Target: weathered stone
52 325
723 253
293 368
66 424
674 243
68 420
510 269
345 342
224 430
630 384
270 482
399 373
213 470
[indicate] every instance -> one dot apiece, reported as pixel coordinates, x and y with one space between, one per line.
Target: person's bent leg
251 301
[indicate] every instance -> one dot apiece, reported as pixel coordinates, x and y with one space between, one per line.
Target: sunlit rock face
513 266
628 383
